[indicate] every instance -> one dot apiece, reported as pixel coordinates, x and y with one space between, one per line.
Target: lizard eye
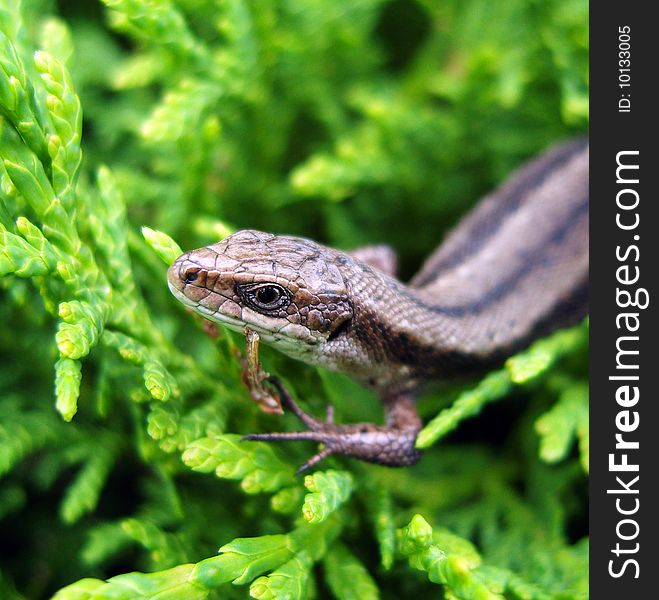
268 295
190 274
264 297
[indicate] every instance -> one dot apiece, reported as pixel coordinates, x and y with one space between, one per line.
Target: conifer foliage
128 124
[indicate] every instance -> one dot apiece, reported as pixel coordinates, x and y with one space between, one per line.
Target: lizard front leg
391 445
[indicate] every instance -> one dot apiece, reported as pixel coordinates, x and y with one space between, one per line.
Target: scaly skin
514 269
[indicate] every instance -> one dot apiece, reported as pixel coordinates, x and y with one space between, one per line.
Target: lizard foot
389 446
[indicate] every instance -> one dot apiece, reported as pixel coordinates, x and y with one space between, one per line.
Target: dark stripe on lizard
387 344
505 286
509 199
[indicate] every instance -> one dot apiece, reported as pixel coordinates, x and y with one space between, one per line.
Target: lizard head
287 289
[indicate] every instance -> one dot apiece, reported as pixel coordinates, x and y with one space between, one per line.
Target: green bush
351 122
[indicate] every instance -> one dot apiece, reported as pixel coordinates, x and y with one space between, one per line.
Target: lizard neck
515 269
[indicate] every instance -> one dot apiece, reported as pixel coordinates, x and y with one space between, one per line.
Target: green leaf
347 577
253 463
540 356
20 258
21 435
82 590
383 520
165 548
243 559
180 112
288 581
287 500
65 114
82 327
166 585
103 542
164 246
83 494
67 387
17 99
520 369
469 403
559 426
55 38
158 381
159 23
450 567
329 489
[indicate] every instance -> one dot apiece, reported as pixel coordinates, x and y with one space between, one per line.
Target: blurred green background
350 122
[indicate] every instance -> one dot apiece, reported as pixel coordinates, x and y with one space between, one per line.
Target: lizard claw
382 445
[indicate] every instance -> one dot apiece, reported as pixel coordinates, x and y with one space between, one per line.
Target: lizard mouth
272 332
215 315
